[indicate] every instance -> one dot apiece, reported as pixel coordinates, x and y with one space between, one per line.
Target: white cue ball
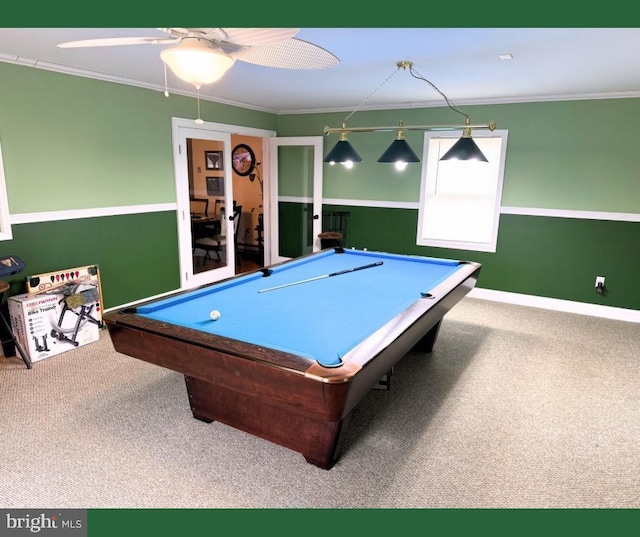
215 315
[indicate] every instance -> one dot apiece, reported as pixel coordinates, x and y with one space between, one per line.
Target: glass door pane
204 195
296 204
207 204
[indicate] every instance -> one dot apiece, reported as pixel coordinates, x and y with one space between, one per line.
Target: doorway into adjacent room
245 198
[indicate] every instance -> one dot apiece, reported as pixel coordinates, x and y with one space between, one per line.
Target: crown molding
36 64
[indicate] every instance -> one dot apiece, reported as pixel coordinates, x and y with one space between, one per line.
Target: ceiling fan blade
288 54
254 36
117 41
236 36
202 33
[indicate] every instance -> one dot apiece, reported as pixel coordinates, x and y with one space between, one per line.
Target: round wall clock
243 159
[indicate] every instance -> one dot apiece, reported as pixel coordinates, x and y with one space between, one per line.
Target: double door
291 217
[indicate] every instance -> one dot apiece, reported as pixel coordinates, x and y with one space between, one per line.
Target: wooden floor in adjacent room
245 263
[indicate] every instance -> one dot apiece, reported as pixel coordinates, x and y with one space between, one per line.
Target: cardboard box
65 280
48 324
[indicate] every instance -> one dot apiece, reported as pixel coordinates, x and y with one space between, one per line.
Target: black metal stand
83 314
9 341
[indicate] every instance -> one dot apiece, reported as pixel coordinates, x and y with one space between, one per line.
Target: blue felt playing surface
321 319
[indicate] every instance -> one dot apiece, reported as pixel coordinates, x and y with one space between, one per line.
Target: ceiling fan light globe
196 62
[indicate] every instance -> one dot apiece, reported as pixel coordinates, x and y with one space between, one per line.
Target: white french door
295 196
292 212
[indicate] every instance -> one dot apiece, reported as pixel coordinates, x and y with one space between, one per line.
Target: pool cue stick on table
321 277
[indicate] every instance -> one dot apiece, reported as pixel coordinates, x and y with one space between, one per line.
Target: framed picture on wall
213 160
215 186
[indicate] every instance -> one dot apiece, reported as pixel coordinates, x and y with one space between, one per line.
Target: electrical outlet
600 281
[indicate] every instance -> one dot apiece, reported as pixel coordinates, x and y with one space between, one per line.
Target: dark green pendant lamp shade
343 152
399 151
464 149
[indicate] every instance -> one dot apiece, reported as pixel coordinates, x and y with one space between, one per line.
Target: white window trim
5 223
462 245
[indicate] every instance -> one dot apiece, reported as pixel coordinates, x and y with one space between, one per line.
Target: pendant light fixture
465 148
343 152
399 152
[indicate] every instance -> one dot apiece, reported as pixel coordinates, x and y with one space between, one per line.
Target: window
460 200
5 226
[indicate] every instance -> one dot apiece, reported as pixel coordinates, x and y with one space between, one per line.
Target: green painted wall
572 155
137 254
74 143
548 257
71 143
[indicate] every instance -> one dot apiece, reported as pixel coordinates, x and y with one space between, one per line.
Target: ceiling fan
202 55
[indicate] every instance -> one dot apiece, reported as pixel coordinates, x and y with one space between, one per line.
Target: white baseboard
595 310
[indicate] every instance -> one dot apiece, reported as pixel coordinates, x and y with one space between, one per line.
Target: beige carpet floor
515 407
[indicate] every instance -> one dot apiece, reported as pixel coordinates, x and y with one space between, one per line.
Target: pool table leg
201 418
335 433
318 441
428 340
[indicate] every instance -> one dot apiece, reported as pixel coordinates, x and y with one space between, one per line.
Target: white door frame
182 128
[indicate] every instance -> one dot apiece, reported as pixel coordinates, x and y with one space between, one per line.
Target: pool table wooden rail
277 403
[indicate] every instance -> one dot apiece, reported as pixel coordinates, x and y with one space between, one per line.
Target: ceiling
464 63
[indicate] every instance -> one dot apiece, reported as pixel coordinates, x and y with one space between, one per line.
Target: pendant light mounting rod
338 130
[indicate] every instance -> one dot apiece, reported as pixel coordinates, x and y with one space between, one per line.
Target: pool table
298 344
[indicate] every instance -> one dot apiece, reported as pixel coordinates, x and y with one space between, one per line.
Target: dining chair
217 242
